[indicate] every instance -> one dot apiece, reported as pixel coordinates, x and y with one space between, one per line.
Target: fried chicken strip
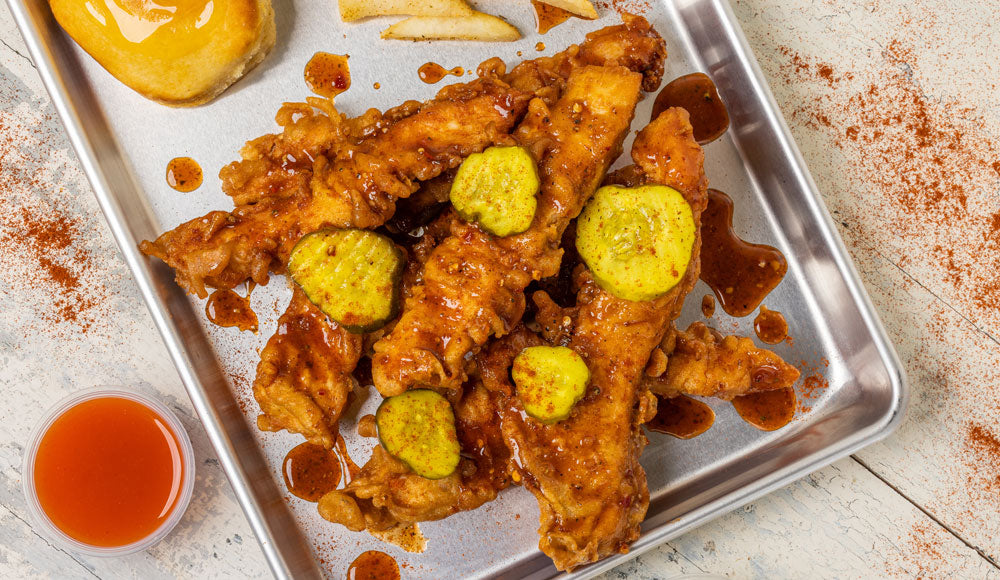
585 470
387 492
355 184
474 282
702 362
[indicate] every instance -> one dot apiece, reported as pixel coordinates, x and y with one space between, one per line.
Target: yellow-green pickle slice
550 380
352 275
418 428
636 241
497 189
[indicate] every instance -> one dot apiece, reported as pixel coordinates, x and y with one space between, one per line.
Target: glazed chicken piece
585 470
355 184
473 284
304 376
702 362
387 493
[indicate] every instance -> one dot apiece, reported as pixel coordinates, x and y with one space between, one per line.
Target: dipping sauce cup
108 472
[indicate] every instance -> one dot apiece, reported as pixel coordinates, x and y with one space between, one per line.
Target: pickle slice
550 380
352 275
418 428
637 241
497 189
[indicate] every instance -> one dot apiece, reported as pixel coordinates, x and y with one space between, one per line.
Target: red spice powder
630 6
985 447
923 552
56 283
51 240
927 166
813 386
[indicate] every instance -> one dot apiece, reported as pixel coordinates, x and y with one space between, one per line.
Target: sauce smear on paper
184 174
327 74
770 326
310 471
768 410
707 305
740 274
432 72
108 471
682 417
548 17
695 93
227 308
373 565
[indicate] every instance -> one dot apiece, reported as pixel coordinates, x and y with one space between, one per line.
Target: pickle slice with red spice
637 241
352 275
418 428
497 189
550 380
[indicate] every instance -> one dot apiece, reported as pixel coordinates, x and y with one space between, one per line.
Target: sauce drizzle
695 93
739 273
327 74
770 326
548 16
310 471
432 72
707 305
539 46
373 565
184 174
767 410
682 417
227 308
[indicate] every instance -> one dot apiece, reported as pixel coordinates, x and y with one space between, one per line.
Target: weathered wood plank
893 104
840 522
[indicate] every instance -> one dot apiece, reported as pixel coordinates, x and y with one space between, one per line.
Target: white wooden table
895 106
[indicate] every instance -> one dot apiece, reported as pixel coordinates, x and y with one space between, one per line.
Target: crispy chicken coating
304 376
585 470
387 492
702 362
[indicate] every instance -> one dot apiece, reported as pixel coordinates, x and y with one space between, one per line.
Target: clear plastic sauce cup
108 472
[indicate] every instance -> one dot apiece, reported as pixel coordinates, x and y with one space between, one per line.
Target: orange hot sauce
108 471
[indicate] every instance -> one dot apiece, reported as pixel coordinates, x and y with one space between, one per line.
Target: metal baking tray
124 142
